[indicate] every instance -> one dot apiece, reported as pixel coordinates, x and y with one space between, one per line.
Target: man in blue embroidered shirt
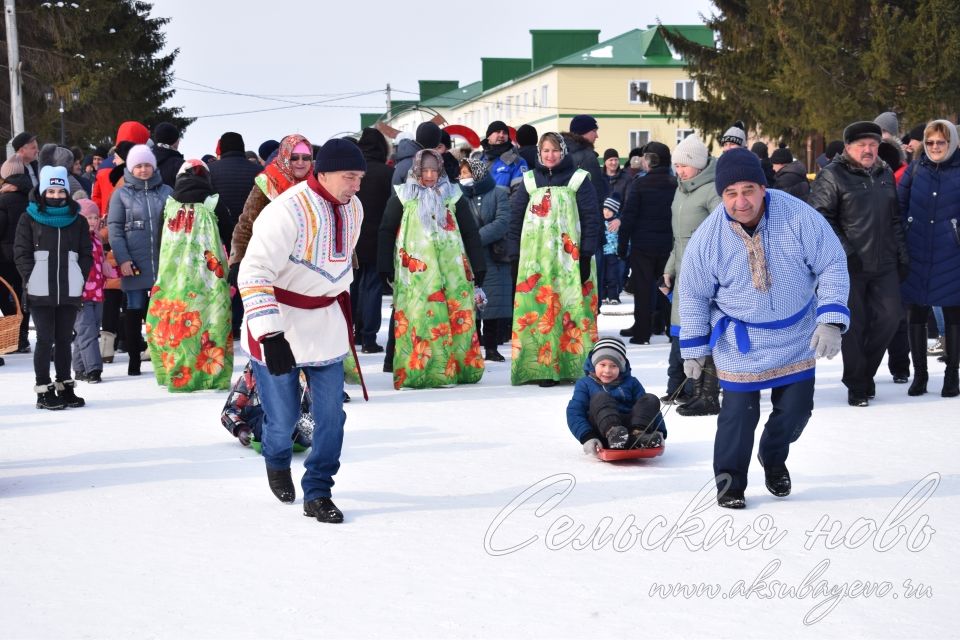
766 297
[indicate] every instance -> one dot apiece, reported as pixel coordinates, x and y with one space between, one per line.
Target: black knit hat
917 132
445 139
610 153
340 155
428 135
267 148
864 129
833 149
738 165
165 133
231 141
21 139
583 124
783 155
527 136
498 125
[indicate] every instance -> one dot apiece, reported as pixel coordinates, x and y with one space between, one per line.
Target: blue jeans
137 299
738 419
280 398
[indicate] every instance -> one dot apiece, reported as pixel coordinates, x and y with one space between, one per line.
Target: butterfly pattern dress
188 320
436 340
554 315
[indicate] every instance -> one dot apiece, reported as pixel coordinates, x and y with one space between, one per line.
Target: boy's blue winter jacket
626 390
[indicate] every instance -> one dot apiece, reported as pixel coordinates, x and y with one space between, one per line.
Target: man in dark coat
617 179
232 177
527 139
26 147
428 136
788 174
580 140
375 190
857 195
647 229
166 142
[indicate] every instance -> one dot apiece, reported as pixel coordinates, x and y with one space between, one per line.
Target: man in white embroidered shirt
766 296
295 282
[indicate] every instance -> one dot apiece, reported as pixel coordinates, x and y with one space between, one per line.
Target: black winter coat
375 190
861 206
646 217
583 156
53 262
169 162
387 243
12 206
792 178
232 177
591 217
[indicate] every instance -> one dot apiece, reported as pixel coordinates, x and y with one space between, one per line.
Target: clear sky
345 52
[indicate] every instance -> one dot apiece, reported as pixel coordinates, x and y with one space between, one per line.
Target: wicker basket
10 325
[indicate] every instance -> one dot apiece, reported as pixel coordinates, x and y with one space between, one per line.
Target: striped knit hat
612 203
608 348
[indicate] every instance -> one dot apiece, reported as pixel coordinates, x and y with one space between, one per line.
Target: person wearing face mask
189 316
490 205
554 231
430 251
857 195
53 254
136 211
292 164
929 196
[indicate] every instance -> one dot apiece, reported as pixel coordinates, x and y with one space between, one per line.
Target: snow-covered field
140 517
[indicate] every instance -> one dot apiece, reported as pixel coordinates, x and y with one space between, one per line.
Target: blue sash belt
740 327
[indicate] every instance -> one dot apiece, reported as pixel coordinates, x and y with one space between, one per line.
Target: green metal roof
455 97
636 48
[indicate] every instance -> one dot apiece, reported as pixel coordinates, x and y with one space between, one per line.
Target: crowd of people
751 269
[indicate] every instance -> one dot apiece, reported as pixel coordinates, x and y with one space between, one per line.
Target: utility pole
388 115
13 61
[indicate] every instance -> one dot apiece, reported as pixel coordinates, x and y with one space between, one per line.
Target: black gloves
854 263
233 273
478 278
584 269
278 355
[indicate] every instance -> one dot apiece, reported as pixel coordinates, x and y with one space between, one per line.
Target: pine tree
107 50
790 68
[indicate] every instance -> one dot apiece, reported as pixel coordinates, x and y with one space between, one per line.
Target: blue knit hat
583 124
738 165
612 203
340 155
53 177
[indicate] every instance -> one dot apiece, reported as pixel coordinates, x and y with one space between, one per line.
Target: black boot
493 355
603 413
777 479
323 510
707 401
47 397
917 333
951 348
732 500
281 483
65 391
133 319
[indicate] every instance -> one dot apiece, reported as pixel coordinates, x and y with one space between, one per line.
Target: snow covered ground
140 517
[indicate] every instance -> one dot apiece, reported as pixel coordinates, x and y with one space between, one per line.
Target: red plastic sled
613 455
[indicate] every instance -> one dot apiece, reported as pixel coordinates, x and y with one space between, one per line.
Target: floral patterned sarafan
436 338
188 320
554 315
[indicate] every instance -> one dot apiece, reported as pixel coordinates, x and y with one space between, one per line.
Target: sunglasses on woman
935 143
301 157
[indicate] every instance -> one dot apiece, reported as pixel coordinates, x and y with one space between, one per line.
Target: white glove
693 367
591 447
826 341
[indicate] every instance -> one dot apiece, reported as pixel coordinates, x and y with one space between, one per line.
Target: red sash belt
300 301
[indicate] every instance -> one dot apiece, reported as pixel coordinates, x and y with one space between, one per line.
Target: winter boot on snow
65 391
917 333
281 483
777 479
732 500
47 397
951 376
323 510
132 323
645 420
108 340
706 401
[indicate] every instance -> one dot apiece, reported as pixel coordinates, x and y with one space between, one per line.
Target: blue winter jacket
929 195
626 390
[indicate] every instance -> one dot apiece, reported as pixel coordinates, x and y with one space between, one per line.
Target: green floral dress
554 315
436 342
188 320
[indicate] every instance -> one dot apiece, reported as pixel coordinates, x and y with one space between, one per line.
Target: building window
524 100
683 133
509 113
543 96
685 90
634 90
486 114
638 138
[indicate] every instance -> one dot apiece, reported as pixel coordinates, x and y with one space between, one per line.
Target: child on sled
610 408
